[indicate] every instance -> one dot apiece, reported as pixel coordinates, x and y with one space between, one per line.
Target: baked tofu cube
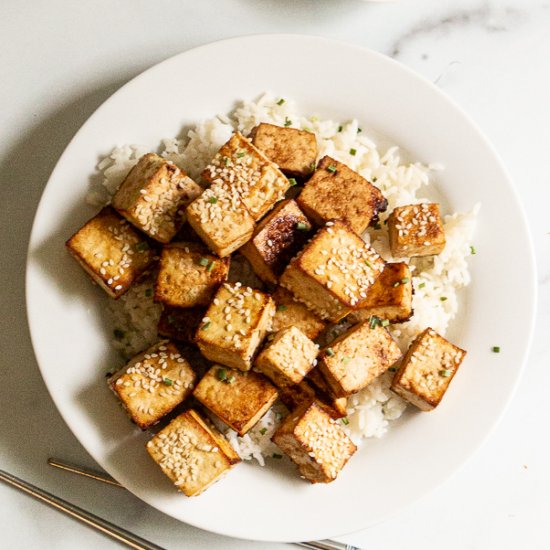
336 406
193 454
277 238
334 272
244 168
416 230
189 275
290 313
293 151
235 325
304 392
357 357
111 251
288 357
180 323
390 297
427 370
237 398
154 195
336 191
221 220
153 383
315 443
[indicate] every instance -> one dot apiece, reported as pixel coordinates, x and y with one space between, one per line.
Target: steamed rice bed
371 410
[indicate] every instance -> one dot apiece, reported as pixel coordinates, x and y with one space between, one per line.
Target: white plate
333 80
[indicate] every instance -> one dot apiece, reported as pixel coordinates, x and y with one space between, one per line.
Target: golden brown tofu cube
244 168
304 392
290 313
111 251
180 323
191 453
153 383
277 238
189 275
357 357
427 370
315 443
221 220
336 406
288 357
416 230
235 325
293 151
154 195
237 398
336 191
334 272
390 297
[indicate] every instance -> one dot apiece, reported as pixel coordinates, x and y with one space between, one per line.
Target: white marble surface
61 59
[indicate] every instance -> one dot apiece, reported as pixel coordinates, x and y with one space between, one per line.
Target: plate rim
533 288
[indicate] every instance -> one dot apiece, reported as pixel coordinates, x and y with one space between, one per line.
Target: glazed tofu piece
390 297
427 370
153 383
293 151
334 271
154 195
180 323
244 168
193 454
221 220
237 398
305 392
336 191
315 443
111 251
287 358
416 230
357 357
235 325
277 238
189 275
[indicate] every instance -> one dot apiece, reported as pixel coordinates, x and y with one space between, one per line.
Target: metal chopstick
106 478
106 527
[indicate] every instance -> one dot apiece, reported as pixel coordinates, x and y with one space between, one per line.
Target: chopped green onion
330 352
312 167
213 200
241 154
374 181
292 181
231 379
203 261
396 284
495 349
405 280
148 292
473 250
263 431
421 285
340 128
345 421
368 264
353 152
221 374
276 455
374 321
118 334
445 373
359 130
167 381
443 298
142 246
210 267
314 118
206 325
392 369
301 226
226 161
346 360
331 168
288 122
281 101
281 307
384 322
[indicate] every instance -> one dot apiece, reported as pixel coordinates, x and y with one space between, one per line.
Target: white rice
371 410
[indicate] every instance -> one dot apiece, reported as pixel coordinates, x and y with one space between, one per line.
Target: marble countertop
60 60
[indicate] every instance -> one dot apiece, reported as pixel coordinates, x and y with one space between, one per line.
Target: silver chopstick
106 478
106 527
